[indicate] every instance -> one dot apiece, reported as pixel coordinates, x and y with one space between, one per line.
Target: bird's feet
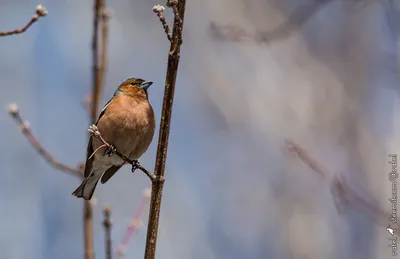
110 151
135 165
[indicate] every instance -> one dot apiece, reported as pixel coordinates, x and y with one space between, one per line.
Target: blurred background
331 85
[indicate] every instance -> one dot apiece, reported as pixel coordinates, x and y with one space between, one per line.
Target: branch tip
13 109
158 8
41 10
107 210
24 126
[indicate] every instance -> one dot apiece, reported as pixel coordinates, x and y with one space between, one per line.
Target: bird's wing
89 162
89 150
109 173
108 103
104 109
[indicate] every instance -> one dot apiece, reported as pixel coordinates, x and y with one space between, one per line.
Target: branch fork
159 9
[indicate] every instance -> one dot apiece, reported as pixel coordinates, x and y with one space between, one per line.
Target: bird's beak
146 85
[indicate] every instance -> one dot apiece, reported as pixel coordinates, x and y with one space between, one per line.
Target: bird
127 123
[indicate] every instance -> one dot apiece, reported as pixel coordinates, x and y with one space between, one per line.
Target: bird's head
136 87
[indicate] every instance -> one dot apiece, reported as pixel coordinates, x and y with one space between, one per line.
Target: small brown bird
126 122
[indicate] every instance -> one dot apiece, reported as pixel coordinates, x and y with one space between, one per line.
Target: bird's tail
86 189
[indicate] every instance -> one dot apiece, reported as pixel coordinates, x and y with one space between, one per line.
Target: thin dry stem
40 12
135 164
39 148
342 192
161 157
107 226
99 15
98 7
158 9
105 16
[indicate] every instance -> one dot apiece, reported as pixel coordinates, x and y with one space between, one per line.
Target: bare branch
97 86
13 110
99 12
94 131
159 9
105 16
107 226
40 12
161 157
134 224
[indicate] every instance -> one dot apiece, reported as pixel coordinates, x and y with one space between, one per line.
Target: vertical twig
98 5
99 11
105 15
159 168
88 230
107 226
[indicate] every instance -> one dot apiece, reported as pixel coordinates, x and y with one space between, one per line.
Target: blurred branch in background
13 110
135 223
178 7
107 226
40 12
342 192
100 15
297 19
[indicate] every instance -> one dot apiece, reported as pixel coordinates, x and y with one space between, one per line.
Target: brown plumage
127 122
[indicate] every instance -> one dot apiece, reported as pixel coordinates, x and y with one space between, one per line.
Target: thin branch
98 7
13 110
159 9
342 192
94 131
161 157
99 12
105 16
40 11
107 226
134 224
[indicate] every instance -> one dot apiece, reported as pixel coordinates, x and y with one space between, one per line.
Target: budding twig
41 11
161 156
159 9
13 110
